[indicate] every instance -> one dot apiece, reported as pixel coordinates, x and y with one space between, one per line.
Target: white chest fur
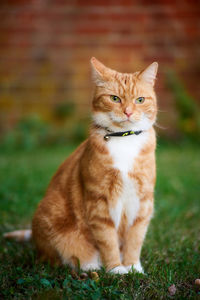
124 151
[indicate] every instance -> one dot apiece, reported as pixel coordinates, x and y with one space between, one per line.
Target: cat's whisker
160 126
162 111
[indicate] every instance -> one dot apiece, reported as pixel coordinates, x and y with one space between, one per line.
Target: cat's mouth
144 123
123 124
119 120
127 120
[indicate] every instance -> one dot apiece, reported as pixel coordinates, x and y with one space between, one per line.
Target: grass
170 255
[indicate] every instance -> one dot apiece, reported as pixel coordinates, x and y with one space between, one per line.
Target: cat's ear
100 73
149 74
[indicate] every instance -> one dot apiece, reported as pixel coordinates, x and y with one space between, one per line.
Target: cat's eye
115 99
139 100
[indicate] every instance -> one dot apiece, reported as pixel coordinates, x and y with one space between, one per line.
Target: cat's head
124 101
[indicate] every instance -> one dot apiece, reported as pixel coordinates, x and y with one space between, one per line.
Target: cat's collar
121 134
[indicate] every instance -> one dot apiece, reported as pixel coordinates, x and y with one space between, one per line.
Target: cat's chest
124 152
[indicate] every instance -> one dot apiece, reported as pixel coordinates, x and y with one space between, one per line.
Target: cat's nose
128 111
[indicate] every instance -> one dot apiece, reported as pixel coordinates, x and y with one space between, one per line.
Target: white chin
144 124
104 120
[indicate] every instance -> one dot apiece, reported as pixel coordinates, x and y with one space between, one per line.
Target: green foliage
188 111
32 132
64 109
29 133
170 254
79 131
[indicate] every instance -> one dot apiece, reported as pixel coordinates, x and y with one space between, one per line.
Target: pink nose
128 112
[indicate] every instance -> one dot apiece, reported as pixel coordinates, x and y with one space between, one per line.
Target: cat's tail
19 235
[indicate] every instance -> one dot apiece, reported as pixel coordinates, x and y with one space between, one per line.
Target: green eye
115 99
139 100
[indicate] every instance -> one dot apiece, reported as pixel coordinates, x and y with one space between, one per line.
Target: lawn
170 255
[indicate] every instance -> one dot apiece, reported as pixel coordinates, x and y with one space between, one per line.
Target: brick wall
45 47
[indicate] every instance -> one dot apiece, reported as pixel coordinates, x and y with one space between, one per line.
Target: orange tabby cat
99 203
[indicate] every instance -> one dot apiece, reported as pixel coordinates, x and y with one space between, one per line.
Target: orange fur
73 224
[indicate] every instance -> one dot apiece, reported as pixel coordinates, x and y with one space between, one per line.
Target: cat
98 205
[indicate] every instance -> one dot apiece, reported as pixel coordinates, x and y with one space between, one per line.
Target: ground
170 255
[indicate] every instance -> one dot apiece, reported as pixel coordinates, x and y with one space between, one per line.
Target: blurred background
45 96
45 48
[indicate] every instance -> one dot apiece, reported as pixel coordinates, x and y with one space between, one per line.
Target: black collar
121 133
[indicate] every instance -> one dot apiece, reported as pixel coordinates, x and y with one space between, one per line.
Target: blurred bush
29 133
32 132
64 110
188 111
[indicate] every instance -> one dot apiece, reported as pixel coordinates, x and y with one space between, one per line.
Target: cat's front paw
135 267
119 270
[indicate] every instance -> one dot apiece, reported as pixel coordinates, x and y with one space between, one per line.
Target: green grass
171 252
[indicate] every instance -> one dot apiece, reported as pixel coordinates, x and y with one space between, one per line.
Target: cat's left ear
149 74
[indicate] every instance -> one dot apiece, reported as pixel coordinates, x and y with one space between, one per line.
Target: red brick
94 2
45 44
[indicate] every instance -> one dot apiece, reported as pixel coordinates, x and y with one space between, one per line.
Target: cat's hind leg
93 264
75 250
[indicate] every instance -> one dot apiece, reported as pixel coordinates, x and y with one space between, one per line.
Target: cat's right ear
100 73
149 74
